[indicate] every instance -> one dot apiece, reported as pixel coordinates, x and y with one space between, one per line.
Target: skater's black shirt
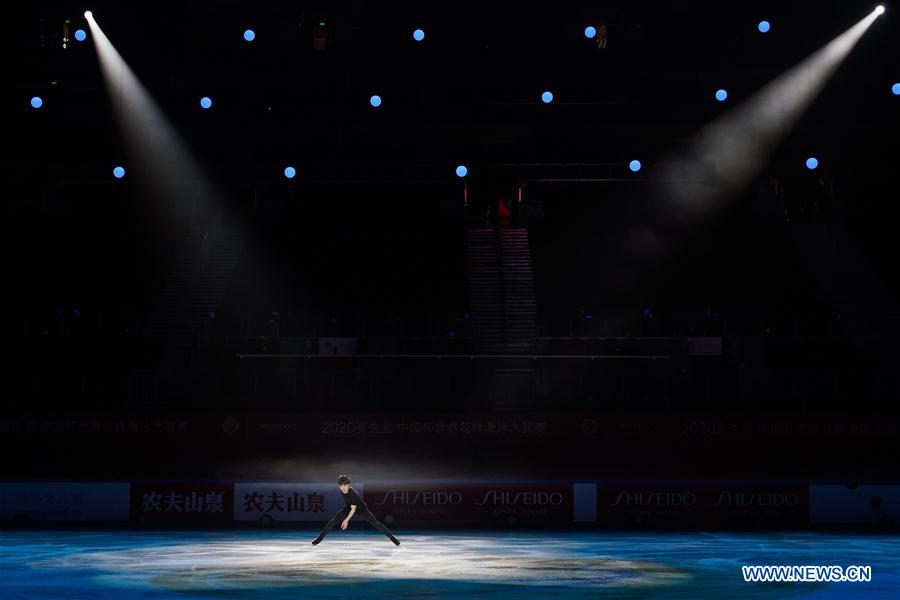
352 497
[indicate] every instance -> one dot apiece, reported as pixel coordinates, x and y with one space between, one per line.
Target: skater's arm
347 518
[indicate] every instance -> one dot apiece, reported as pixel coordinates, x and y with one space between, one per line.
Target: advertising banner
176 503
702 504
288 501
451 503
854 504
64 501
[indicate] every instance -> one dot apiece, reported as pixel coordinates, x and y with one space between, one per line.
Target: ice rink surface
363 563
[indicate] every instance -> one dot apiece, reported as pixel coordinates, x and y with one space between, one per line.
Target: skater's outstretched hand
344 524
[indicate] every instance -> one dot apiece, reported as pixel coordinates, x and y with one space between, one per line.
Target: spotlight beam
160 151
729 153
149 135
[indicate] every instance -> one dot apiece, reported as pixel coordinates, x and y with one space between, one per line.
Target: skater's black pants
365 514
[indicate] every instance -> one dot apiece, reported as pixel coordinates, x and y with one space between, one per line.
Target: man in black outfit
353 504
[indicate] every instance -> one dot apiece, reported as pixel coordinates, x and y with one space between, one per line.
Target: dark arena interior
588 299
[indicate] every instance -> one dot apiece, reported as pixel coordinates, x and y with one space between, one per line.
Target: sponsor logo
757 499
667 499
423 498
521 498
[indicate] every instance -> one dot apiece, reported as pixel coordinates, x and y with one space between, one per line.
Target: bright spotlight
80 35
249 35
462 171
895 89
290 172
634 166
590 32
205 102
37 102
721 95
88 14
879 10
764 26
375 101
547 97
419 35
119 172
812 162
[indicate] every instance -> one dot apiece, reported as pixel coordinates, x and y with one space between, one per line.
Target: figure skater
353 504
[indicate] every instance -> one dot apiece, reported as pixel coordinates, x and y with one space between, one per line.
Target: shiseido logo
655 499
731 498
522 498
423 498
